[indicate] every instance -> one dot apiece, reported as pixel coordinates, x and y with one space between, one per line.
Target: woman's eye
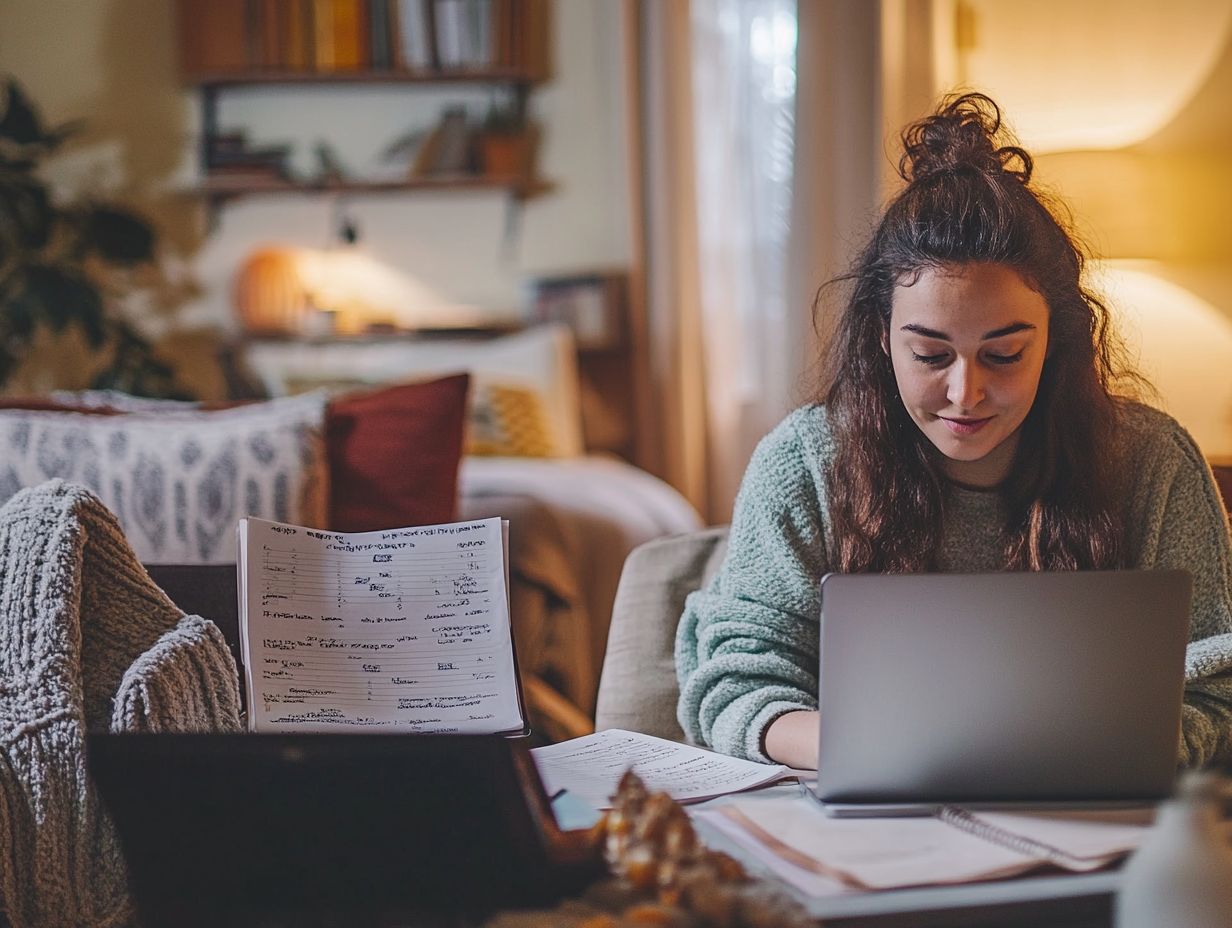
1005 358
933 359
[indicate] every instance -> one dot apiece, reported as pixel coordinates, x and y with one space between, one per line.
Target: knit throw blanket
87 643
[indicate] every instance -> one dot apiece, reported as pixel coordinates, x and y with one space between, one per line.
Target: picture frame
594 305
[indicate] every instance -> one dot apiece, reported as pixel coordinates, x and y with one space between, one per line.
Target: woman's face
967 343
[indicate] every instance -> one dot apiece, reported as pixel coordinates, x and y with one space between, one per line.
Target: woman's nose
965 389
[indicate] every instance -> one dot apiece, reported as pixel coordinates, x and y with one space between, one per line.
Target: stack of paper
799 842
590 767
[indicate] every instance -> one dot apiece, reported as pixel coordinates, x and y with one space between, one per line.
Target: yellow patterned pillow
510 421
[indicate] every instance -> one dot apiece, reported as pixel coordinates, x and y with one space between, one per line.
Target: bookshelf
229 44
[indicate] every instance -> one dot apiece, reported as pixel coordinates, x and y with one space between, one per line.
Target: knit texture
87 643
747 645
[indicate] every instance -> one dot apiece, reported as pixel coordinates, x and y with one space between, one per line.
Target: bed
575 511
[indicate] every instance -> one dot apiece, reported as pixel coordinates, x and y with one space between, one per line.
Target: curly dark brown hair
969 198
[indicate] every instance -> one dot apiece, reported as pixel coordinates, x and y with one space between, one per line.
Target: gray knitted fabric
87 643
746 647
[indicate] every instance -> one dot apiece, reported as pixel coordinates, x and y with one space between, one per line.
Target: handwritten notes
591 766
403 630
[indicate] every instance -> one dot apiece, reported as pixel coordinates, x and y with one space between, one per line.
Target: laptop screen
1001 686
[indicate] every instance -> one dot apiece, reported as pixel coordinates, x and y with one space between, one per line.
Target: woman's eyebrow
995 333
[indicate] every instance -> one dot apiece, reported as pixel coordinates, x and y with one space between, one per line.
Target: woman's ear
885 341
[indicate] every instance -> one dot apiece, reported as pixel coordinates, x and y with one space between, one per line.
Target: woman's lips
965 426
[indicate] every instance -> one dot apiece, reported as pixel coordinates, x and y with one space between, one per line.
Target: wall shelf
366 76
219 187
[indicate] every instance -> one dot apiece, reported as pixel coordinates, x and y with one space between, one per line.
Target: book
379 34
590 768
817 853
403 630
413 35
216 37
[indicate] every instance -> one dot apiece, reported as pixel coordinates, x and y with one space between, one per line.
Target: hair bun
961 136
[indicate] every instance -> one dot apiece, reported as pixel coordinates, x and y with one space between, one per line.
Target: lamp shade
269 294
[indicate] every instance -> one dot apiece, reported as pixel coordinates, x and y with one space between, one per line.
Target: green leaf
117 235
26 214
59 297
19 119
17 312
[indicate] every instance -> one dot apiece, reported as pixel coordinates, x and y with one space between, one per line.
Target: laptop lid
243 828
996 687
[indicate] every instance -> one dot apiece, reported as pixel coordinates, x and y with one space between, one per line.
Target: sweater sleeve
1186 527
746 646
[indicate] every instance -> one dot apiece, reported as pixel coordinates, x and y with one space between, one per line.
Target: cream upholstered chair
637 689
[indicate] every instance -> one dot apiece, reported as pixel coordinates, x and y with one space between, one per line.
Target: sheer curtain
744 85
758 145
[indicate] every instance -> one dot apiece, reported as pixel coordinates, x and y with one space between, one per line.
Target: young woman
969 423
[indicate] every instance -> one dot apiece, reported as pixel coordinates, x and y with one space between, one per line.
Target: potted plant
505 143
61 262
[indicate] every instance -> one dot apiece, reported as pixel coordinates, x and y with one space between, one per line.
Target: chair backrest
637 689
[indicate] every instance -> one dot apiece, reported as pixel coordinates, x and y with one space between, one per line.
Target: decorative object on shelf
61 262
230 154
1182 872
594 305
447 149
507 141
269 295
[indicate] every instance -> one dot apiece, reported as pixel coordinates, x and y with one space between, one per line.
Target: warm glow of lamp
340 291
1182 344
1101 74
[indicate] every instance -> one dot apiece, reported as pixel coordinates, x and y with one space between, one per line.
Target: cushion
638 689
393 455
179 479
509 420
541 359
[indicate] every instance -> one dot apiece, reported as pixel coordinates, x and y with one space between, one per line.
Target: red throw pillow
1223 478
394 453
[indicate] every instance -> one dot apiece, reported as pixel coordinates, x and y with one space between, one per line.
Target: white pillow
542 357
179 480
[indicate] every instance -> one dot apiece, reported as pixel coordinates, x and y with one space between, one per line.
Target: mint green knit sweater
746 646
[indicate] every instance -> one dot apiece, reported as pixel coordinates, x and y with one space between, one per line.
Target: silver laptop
1000 688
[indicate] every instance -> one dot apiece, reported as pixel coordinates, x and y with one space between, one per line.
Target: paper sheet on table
885 853
591 766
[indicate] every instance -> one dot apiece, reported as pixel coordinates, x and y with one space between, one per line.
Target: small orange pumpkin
269 294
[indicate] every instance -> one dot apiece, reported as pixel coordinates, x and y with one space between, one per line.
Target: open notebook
797 839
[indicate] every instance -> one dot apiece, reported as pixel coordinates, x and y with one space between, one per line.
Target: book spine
378 34
214 37
414 35
349 34
273 34
324 56
298 16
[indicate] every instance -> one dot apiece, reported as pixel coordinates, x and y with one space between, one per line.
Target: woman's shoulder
789 463
1146 432
1154 450
803 435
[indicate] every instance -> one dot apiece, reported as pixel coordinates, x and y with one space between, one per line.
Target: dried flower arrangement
663 876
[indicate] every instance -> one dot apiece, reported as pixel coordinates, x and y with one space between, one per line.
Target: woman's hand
791 739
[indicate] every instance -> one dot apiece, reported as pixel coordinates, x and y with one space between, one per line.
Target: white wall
113 63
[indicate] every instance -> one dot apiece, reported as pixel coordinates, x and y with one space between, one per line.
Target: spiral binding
981 828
